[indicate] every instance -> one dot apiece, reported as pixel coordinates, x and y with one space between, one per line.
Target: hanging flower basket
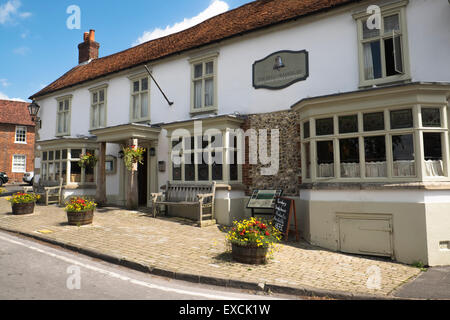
80 211
132 155
23 203
251 239
87 160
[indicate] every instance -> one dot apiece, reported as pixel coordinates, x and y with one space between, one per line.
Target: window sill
201 111
386 186
16 142
384 81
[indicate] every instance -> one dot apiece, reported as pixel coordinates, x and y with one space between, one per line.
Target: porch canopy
133 134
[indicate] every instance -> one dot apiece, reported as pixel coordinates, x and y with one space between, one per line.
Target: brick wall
8 148
288 176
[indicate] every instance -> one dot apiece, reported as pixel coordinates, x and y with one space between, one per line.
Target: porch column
100 195
132 191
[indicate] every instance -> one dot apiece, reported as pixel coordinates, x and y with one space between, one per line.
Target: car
28 177
3 178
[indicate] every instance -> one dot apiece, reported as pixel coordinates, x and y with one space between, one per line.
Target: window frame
398 8
93 91
24 128
416 131
204 60
13 168
61 113
139 77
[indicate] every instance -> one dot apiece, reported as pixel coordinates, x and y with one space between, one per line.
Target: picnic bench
198 195
50 191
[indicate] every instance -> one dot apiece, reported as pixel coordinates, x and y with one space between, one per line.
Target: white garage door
363 235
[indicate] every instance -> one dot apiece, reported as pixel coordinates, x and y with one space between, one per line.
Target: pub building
353 102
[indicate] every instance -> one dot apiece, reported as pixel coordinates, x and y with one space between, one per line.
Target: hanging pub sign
280 69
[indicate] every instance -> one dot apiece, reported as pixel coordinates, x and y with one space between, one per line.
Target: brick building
17 136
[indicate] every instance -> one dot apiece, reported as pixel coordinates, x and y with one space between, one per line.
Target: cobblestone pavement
179 247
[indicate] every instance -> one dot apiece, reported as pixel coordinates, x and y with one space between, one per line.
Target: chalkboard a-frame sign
283 211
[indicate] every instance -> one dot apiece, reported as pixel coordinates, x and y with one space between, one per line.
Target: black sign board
284 207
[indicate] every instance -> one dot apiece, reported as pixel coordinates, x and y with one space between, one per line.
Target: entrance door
142 181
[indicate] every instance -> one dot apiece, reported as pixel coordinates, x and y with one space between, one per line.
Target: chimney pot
92 35
86 36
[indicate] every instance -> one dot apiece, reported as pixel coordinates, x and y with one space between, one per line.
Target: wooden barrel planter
80 218
250 255
23 208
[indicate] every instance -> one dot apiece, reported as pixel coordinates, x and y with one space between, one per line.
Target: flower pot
23 208
80 218
248 254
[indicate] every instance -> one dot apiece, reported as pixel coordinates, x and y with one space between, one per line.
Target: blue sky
37 47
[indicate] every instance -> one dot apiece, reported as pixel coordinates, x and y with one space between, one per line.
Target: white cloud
5 97
10 9
215 8
22 51
4 82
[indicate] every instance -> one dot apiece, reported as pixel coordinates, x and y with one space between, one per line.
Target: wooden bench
200 195
50 191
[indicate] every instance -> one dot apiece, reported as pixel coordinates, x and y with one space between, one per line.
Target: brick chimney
88 49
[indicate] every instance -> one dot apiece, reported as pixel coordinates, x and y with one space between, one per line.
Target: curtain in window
372 60
197 94
434 168
209 92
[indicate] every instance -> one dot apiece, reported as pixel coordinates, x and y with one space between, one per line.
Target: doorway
142 180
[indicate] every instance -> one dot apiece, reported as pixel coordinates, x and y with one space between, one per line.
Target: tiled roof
15 112
249 17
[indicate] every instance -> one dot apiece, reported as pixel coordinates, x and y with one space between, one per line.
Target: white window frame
416 131
14 164
203 60
139 78
398 8
61 113
94 110
20 129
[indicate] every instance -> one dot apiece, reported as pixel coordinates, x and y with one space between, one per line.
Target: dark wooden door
142 181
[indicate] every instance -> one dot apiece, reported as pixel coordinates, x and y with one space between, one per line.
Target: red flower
267 233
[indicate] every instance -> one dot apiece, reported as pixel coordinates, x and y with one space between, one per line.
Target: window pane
61 106
216 141
102 95
75 153
217 167
66 122
324 126
94 97
308 160
372 60
198 70
75 172
136 86
102 114
64 154
89 175
136 107
369 33
348 124
349 151
44 156
401 119
403 155
209 66
189 143
393 59
325 159
66 105
203 167
144 84
197 94
176 172
431 117
432 146
306 130
50 155
233 165
60 122
94 116
144 105
189 167
375 153
373 121
64 171
391 23
209 92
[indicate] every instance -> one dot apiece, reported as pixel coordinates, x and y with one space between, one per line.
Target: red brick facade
13 114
